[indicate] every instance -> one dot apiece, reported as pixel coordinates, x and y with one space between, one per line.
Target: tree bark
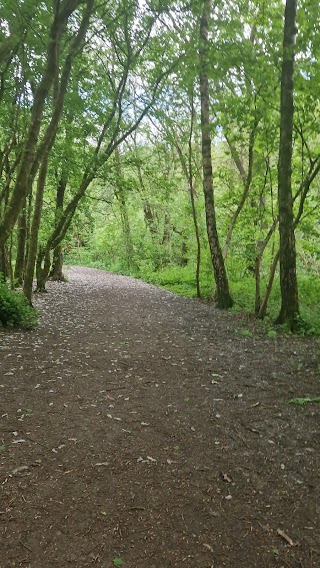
57 261
33 243
289 311
42 271
222 295
57 265
129 252
263 307
21 245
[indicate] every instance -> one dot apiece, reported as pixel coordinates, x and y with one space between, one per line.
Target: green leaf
117 561
303 401
2 448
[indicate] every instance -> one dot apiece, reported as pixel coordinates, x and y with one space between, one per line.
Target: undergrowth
15 310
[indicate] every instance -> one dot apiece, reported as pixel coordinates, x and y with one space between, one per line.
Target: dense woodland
175 141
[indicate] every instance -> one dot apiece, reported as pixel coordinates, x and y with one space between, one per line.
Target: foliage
304 400
126 143
15 310
118 561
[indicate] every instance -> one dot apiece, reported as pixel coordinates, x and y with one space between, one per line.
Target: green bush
15 310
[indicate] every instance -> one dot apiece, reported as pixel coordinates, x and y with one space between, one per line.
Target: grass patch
304 400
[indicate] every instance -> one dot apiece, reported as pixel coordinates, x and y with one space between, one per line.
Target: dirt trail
147 430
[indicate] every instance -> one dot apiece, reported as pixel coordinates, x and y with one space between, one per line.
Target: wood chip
20 469
226 478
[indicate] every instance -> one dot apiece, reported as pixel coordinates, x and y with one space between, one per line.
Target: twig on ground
25 546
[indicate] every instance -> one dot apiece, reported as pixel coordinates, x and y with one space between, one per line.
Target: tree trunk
42 271
33 156
192 195
263 307
246 182
128 246
57 262
21 246
3 263
59 232
262 245
33 243
222 296
289 311
57 265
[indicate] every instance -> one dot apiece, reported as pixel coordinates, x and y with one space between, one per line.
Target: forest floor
147 430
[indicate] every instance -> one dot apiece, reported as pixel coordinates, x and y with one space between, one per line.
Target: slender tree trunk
21 246
166 229
59 232
257 277
246 181
262 245
149 215
33 243
188 171
263 307
10 269
126 230
289 311
3 263
192 197
57 262
124 214
223 296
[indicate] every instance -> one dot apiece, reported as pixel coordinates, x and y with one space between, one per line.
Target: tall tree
62 13
43 153
223 296
288 278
